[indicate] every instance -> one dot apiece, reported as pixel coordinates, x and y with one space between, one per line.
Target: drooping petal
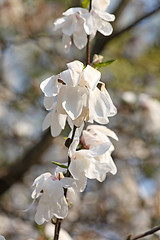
59 23
104 27
58 122
50 86
49 102
101 106
67 42
69 26
47 121
79 35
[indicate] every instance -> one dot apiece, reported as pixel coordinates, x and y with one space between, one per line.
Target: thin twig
59 221
149 232
88 49
101 41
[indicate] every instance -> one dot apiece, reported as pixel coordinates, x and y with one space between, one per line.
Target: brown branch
16 171
101 40
150 232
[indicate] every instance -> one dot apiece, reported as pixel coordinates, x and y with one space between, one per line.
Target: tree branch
150 232
16 171
97 48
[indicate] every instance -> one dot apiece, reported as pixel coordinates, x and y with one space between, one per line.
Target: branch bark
149 232
16 172
97 48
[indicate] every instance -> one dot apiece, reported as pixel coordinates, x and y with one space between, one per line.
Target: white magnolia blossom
74 93
88 163
72 25
50 189
95 135
79 22
2 238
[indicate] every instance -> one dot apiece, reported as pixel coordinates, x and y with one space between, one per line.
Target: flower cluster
76 95
79 22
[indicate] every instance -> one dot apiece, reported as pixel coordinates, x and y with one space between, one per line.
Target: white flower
74 93
85 163
95 135
72 24
79 22
2 238
52 201
98 19
81 99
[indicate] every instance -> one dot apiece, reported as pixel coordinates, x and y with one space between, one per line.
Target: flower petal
89 23
49 102
105 16
71 11
69 26
79 35
70 77
104 27
59 23
100 4
76 66
50 86
91 77
66 40
71 100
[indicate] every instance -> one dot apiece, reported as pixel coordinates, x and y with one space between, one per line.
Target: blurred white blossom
79 22
74 93
50 189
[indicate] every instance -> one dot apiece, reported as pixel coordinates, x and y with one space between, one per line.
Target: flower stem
59 221
88 49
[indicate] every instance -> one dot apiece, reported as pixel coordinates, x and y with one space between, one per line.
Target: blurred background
29 53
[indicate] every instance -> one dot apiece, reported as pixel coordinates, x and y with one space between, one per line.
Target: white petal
49 102
91 76
67 182
70 77
71 11
81 183
59 23
105 16
103 129
100 149
71 100
101 106
100 4
104 27
76 66
50 86
66 40
70 25
47 121
89 23
79 35
39 183
58 122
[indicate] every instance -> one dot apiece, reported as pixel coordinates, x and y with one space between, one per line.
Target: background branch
149 232
97 48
